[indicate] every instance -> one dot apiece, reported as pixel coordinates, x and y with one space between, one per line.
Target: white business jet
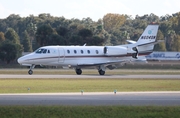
100 57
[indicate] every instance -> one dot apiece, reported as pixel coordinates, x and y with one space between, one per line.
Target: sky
95 9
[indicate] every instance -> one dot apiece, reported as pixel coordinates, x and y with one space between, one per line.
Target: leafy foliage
11 48
43 34
112 29
8 51
2 38
12 36
26 42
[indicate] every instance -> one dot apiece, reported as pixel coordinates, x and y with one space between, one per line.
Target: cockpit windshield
42 50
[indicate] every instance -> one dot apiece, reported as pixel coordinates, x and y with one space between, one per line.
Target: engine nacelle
115 50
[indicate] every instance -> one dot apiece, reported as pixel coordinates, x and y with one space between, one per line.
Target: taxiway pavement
120 98
94 99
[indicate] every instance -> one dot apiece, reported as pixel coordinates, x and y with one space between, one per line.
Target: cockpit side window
45 50
39 50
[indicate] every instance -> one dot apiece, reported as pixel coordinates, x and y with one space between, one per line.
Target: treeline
26 34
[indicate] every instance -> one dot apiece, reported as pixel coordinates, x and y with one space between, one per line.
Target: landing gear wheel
101 72
78 71
30 72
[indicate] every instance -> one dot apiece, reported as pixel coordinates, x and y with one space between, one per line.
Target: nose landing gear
30 72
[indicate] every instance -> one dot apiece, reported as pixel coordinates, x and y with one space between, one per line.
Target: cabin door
61 55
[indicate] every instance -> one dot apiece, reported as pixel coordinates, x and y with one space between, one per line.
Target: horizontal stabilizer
131 41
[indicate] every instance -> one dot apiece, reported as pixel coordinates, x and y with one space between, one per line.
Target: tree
56 39
160 46
8 51
12 22
26 42
85 33
77 40
113 21
170 40
12 36
31 29
176 43
2 38
95 40
43 34
62 31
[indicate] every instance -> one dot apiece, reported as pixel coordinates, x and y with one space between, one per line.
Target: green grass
88 85
89 112
91 71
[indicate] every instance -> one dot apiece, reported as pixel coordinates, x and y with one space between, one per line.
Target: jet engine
115 50
119 50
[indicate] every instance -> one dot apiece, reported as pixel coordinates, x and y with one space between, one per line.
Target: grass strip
89 111
87 85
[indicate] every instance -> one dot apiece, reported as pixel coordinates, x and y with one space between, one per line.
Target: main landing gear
30 72
101 72
78 71
101 69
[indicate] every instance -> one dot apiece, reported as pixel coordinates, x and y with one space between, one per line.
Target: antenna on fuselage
84 44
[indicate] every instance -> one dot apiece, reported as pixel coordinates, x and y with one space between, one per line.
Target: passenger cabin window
82 52
48 51
97 52
88 51
68 51
75 51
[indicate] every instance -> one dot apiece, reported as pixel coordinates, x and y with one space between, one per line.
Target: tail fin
146 42
149 35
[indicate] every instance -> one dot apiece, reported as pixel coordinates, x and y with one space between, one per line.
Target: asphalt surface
93 99
95 76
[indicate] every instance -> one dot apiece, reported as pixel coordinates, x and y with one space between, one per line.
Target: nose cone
24 60
20 60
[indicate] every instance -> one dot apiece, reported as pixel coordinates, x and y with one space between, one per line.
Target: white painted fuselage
100 57
72 56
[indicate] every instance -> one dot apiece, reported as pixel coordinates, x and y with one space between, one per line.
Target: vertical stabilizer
149 35
146 41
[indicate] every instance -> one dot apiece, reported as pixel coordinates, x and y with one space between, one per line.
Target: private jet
99 57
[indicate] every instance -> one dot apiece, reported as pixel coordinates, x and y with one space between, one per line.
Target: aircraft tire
78 71
101 72
30 72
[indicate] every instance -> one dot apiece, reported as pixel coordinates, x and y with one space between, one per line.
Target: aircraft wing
110 63
141 59
105 63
